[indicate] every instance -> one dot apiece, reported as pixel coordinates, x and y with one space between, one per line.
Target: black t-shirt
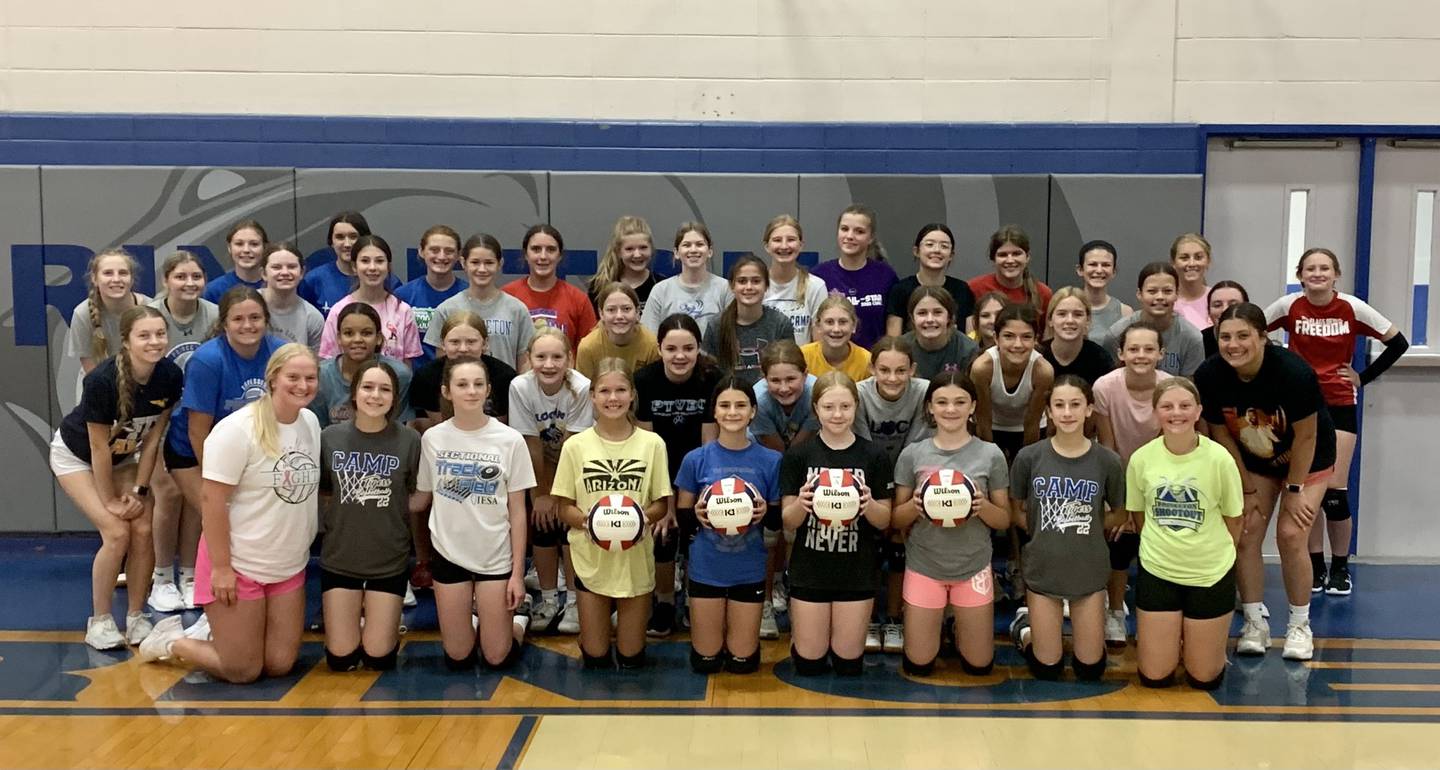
1207 338
425 386
1092 363
675 410
844 558
1260 415
100 403
898 300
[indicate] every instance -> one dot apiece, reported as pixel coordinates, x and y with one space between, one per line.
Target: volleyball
837 497
730 505
615 523
946 497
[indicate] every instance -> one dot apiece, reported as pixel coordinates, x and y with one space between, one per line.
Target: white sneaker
1115 634
157 645
543 615
121 580
1255 638
200 629
1299 643
532 579
892 637
1065 608
137 627
872 638
165 597
780 596
768 628
187 593
409 600
101 633
570 618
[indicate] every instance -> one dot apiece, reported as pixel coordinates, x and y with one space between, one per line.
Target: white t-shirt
472 474
800 311
274 511
535 413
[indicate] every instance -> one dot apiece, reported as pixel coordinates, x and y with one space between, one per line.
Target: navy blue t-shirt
724 560
326 285
216 289
100 403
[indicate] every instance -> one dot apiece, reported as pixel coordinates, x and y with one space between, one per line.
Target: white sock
187 574
552 596
522 622
1299 615
164 575
1251 610
665 598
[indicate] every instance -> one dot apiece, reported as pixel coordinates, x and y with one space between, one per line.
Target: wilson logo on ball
615 523
947 496
837 497
730 505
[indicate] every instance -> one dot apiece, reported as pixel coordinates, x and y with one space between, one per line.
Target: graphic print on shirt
676 410
364 477
465 476
1178 504
691 307
859 301
553 432
1258 430
545 316
294 477
613 476
1065 503
180 354
827 539
133 433
253 389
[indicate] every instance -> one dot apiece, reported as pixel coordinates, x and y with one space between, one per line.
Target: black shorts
542 538
442 570
1010 442
174 461
747 593
1344 418
1156 594
395 584
827 595
1123 551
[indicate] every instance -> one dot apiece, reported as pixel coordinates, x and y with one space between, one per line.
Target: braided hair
124 374
99 341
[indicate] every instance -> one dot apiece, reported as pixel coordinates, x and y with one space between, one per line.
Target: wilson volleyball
615 523
730 505
946 497
837 497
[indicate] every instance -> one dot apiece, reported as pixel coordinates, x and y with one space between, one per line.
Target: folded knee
385 662
808 666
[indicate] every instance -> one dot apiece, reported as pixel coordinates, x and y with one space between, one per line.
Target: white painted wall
1304 61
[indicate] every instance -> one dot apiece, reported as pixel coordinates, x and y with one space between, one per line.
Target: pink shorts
246 589
931 594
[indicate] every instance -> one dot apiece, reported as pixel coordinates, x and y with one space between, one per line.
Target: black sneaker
662 621
1339 582
1318 584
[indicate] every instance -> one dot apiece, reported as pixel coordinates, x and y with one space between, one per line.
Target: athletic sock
187 574
1251 611
164 575
1339 562
1317 562
1299 615
552 595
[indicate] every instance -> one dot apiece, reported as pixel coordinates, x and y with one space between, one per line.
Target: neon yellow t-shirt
856 365
1185 499
591 467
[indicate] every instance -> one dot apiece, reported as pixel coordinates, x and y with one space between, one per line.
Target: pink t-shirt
1196 311
1131 418
397 322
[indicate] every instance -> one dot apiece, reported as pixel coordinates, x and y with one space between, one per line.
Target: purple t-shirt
866 289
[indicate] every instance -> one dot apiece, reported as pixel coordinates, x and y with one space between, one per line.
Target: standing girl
982 325
400 338
860 274
837 346
618 335
439 249
1324 325
476 470
1068 350
1096 269
934 251
95 323
588 470
936 343
741 333
1010 251
245 240
1190 255
331 276
359 342
367 486
462 334
262 470
727 572
550 299
793 290
695 291
1013 378
103 455
1067 492
626 260
834 571
508 328
290 316
1185 494
1156 290
1222 295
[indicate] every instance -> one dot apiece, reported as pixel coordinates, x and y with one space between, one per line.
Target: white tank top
1007 408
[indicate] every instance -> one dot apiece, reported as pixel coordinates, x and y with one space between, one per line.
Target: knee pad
384 662
1205 684
771 537
1336 505
894 554
743 664
1089 672
808 666
847 666
600 662
512 656
631 662
1156 684
916 669
464 664
347 662
974 670
1045 672
705 664
545 538
666 547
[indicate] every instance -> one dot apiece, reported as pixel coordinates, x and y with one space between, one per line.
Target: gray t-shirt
951 554
1101 320
507 324
77 342
301 323
772 325
1065 502
891 425
1184 348
670 296
185 338
370 477
956 355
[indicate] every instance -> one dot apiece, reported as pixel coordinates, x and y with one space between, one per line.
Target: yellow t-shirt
1185 499
591 467
597 345
856 365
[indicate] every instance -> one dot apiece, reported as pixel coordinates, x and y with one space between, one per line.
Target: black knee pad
384 662
631 662
705 664
1157 684
464 664
666 546
912 668
1089 672
600 662
847 666
743 664
512 656
1207 685
974 670
347 662
808 666
1045 672
894 554
1336 505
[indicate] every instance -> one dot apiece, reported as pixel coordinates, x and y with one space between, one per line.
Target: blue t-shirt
217 382
423 299
771 419
724 560
326 285
331 404
216 289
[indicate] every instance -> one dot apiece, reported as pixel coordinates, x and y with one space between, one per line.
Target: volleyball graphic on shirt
947 496
837 497
730 505
615 523
1177 505
295 477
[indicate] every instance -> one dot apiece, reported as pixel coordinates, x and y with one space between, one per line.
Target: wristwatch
140 490
1294 489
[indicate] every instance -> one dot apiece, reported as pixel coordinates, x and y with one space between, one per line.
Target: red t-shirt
981 285
1325 336
563 306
